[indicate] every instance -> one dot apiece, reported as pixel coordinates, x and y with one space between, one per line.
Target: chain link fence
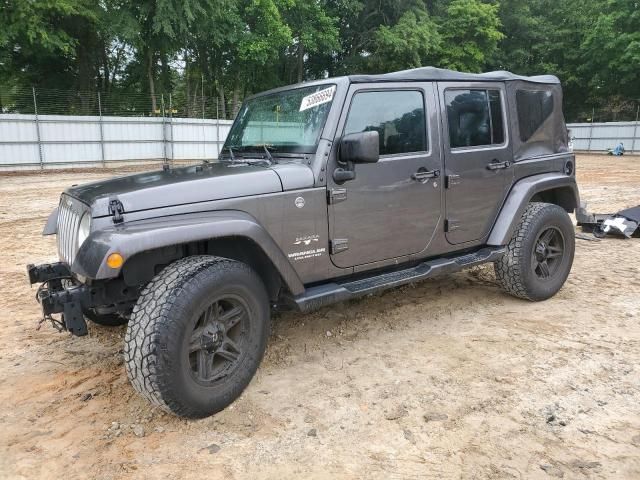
39 101
621 111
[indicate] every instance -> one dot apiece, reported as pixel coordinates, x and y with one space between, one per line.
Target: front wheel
197 335
540 254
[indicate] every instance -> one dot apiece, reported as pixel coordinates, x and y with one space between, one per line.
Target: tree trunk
300 61
187 85
152 86
116 66
236 101
87 68
223 100
105 67
166 77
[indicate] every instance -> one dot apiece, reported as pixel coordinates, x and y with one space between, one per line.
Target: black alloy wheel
547 254
218 340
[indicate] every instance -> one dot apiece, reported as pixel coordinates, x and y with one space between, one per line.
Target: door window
397 116
474 117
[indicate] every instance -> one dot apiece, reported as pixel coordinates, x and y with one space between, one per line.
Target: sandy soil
449 378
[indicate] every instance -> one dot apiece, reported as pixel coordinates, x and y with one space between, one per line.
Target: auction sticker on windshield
317 98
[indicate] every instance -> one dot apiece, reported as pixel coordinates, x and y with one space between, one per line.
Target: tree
134 51
470 33
547 36
412 42
313 31
610 56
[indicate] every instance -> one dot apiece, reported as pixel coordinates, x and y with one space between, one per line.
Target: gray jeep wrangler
323 192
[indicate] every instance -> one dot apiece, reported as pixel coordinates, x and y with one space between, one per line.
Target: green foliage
410 43
228 49
264 32
470 31
611 49
37 23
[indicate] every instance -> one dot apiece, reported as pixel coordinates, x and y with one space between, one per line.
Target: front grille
69 214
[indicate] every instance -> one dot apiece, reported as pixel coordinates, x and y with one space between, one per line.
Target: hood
202 183
178 186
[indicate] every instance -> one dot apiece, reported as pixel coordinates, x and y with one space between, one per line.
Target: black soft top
444 75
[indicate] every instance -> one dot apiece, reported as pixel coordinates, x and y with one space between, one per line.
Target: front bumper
61 293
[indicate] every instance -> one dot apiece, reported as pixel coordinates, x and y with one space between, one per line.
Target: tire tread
509 269
142 344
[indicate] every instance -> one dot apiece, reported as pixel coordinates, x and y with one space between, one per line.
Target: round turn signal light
115 260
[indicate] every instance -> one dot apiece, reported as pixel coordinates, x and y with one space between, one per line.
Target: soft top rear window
534 107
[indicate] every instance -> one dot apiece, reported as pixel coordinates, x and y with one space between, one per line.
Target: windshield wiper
233 158
269 156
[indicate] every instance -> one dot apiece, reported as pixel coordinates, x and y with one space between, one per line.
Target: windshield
290 121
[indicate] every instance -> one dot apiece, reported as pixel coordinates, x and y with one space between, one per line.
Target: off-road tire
107 320
514 270
160 330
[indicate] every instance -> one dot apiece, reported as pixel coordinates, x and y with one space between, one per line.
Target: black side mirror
362 147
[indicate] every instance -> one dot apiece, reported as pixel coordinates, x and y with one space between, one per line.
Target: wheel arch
145 265
147 246
556 188
561 196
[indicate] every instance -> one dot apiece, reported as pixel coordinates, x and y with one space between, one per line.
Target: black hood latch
116 210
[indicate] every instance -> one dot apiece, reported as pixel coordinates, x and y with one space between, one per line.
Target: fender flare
132 238
520 195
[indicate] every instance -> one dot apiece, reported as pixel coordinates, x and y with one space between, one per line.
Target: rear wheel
540 254
197 335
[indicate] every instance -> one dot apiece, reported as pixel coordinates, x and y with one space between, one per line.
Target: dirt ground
449 378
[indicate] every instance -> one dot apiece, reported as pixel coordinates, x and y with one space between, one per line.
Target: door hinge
451 225
338 245
336 195
116 210
452 180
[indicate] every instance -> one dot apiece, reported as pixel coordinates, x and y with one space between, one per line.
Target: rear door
478 157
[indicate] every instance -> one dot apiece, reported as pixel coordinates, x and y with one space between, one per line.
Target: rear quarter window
534 107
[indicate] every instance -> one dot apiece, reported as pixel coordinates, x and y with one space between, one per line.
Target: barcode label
317 98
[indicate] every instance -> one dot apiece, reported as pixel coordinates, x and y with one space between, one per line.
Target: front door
393 206
478 157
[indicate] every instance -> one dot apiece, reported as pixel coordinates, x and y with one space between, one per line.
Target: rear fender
133 238
558 188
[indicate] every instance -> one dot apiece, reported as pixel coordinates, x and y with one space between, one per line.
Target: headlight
84 228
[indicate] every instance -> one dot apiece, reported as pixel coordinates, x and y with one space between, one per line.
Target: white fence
598 137
59 141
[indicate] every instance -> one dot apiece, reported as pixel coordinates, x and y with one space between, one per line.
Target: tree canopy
228 49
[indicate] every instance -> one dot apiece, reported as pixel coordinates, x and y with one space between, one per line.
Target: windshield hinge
116 209
336 195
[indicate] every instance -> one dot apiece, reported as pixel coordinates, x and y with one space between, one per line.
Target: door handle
496 165
422 175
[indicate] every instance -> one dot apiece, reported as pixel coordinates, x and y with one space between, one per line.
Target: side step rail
326 294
